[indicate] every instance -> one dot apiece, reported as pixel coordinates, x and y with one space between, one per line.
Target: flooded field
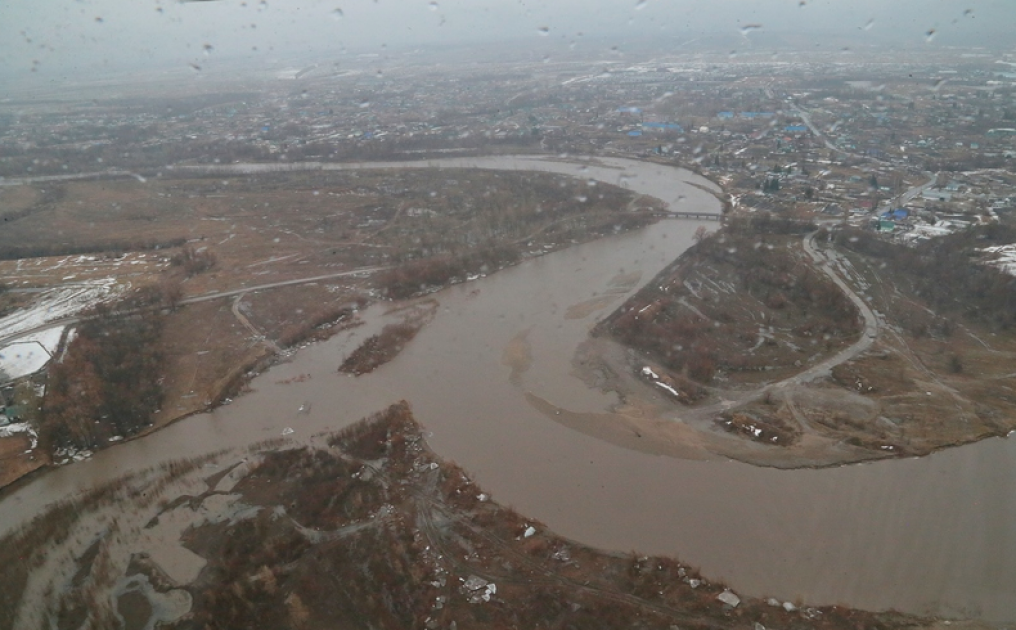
928 536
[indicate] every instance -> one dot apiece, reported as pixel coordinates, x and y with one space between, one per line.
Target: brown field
15 200
413 231
15 459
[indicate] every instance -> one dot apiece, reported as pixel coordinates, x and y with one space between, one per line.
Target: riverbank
780 362
411 231
245 538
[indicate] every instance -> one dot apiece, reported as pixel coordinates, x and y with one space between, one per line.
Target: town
835 135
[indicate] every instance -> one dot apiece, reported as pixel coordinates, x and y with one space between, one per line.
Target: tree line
948 272
106 384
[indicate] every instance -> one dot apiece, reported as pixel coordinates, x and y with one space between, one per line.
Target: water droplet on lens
930 35
208 48
337 14
99 20
543 30
433 6
640 4
747 29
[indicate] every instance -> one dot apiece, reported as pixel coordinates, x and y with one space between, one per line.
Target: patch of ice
529 532
668 388
729 598
478 589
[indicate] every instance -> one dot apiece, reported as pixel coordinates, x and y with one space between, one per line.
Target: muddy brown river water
929 535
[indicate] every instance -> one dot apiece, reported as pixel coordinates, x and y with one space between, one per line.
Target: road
822 263
68 321
818 134
284 283
917 190
238 314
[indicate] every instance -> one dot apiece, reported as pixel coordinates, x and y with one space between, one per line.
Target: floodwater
929 535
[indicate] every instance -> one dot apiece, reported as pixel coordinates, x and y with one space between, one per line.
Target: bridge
698 216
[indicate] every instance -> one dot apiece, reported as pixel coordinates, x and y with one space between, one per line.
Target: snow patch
57 303
21 359
1001 256
11 430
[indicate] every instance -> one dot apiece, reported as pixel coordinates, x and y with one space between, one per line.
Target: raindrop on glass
543 30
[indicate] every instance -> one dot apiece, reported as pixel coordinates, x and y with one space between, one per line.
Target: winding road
823 262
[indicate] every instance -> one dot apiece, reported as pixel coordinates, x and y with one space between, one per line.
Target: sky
65 39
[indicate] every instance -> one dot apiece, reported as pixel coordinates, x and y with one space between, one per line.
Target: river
929 535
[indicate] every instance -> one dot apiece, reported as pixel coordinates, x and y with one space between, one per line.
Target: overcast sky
72 38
